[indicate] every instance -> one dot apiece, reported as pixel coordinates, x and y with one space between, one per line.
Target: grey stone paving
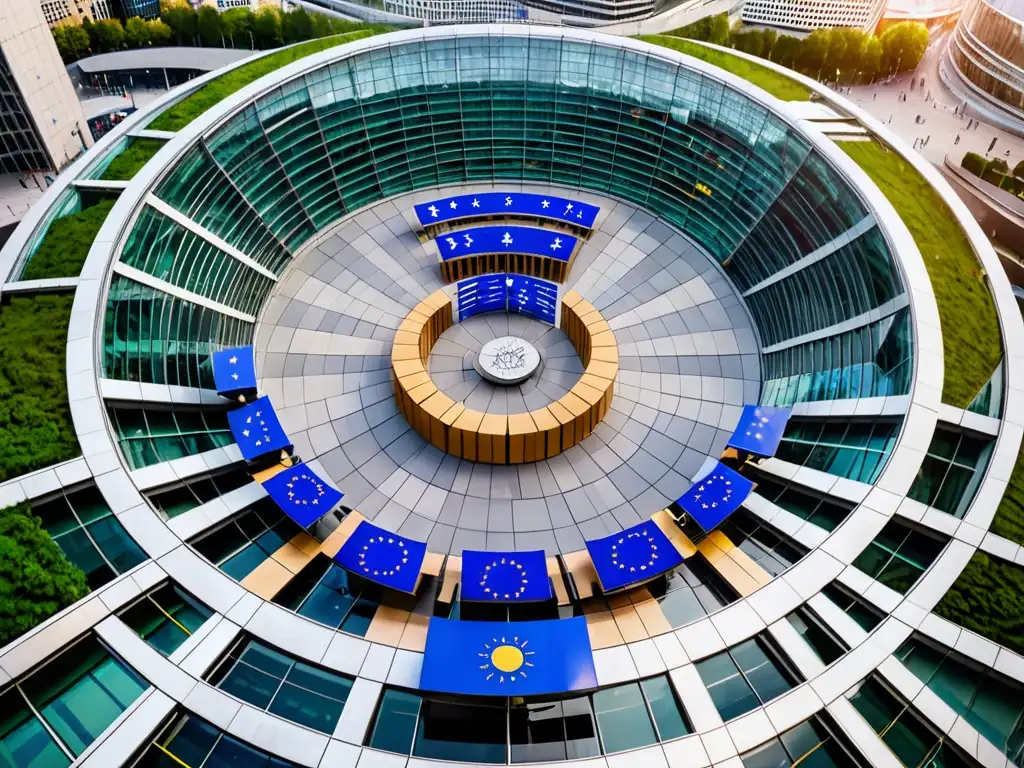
688 361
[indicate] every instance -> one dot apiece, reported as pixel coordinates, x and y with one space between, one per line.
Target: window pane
730 692
396 721
537 732
761 669
622 718
465 733
24 742
668 715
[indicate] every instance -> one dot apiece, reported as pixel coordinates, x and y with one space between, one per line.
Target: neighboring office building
58 11
41 122
807 15
147 9
932 13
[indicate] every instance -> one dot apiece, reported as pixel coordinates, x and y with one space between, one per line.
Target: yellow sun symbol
505 658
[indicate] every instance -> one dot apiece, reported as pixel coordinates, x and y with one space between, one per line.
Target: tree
871 59
182 20
836 53
72 42
785 51
813 51
36 580
238 26
107 35
266 27
322 26
853 56
137 33
159 33
209 26
998 164
719 29
770 36
1018 170
903 45
297 26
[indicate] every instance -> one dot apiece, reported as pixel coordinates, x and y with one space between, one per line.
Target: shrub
35 419
128 162
998 164
973 163
988 598
992 176
36 580
1018 170
66 243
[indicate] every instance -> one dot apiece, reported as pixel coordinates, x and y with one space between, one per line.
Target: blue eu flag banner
256 429
532 296
632 556
383 557
505 577
302 494
234 370
760 429
522 658
716 496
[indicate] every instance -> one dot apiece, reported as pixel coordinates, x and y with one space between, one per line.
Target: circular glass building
371 555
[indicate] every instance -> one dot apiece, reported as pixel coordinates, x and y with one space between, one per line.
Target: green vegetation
1009 519
35 419
36 580
181 24
185 111
66 243
780 86
839 54
988 598
131 159
971 341
996 172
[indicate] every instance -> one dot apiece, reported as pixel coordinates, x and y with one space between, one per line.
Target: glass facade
825 644
992 704
856 450
188 742
724 169
745 677
77 695
988 51
149 436
902 729
166 618
89 535
191 494
547 729
275 682
21 147
899 554
815 742
952 470
329 594
816 508
866 615
875 360
764 546
238 546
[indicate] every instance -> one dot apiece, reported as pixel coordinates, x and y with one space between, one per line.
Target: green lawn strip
1009 519
988 598
128 162
66 243
35 419
36 580
188 109
777 85
971 341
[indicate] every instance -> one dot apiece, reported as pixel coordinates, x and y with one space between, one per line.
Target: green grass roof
66 243
130 160
777 85
971 340
988 598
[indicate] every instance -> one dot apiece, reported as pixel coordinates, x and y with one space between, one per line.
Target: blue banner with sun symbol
505 577
632 556
522 658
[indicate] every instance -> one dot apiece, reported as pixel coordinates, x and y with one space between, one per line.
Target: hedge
973 163
188 109
777 85
66 244
988 598
130 160
35 419
36 580
971 340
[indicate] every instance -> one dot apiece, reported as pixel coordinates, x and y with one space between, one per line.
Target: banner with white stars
505 577
383 557
234 370
632 556
715 496
533 241
302 494
256 429
506 203
760 429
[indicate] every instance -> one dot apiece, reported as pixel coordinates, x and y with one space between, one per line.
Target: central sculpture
507 360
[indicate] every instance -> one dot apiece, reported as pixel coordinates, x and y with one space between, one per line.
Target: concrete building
41 125
808 15
740 256
57 11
